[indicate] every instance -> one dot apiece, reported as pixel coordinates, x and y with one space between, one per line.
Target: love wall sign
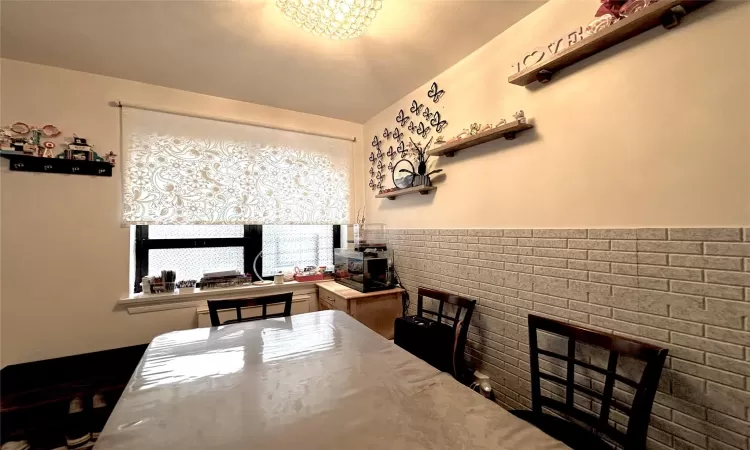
539 53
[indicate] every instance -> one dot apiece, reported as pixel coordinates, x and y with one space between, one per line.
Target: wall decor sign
536 55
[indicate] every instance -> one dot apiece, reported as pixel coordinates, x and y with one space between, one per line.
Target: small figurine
50 131
440 140
79 150
502 122
474 128
110 158
520 117
6 140
486 127
36 136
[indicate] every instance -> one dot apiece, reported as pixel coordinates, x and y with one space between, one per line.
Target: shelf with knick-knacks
30 149
397 192
477 134
614 23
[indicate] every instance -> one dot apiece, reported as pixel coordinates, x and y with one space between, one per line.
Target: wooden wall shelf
424 190
508 131
668 13
28 163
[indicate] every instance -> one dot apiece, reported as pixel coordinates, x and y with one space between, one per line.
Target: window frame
251 242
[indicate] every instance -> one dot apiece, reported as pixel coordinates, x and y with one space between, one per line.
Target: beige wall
65 258
651 133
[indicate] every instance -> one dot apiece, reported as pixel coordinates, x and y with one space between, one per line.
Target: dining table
319 380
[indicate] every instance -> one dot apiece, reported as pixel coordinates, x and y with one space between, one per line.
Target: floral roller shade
184 170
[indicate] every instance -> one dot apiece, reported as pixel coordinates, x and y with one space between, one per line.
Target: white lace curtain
185 170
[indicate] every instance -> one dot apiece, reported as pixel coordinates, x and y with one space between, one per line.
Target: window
287 246
191 250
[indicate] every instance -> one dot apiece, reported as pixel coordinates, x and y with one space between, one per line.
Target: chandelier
336 19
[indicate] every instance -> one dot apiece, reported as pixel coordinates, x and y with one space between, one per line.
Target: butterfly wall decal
416 108
379 155
434 93
438 123
427 114
412 127
387 133
401 118
372 185
372 171
380 176
401 149
380 165
372 157
380 186
422 130
376 142
390 166
391 152
397 134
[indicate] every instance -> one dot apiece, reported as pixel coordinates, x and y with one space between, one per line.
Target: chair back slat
645 388
214 306
570 388
609 386
462 304
586 418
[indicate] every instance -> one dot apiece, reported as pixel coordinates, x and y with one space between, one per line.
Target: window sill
140 303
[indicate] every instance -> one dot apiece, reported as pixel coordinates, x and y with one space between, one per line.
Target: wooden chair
571 433
443 341
214 306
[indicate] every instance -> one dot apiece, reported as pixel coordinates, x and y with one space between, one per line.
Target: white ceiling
246 50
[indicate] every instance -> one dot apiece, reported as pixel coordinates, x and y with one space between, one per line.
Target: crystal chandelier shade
335 19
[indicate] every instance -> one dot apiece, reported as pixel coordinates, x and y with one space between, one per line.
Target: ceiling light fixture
336 19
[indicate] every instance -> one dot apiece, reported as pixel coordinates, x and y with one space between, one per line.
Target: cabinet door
378 313
323 305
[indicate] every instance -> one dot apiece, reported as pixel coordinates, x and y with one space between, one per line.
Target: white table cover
313 381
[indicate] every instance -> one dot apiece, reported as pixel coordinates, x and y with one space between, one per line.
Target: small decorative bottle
145 286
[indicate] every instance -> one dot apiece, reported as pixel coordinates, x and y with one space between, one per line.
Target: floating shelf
508 131
668 13
424 190
28 163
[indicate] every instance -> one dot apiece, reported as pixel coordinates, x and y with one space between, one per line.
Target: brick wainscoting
687 290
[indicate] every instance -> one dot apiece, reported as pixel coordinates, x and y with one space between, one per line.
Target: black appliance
428 340
365 271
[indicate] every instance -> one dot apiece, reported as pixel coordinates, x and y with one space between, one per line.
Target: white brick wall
684 289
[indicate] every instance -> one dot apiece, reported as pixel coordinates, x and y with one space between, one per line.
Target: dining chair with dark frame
447 358
214 306
594 425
